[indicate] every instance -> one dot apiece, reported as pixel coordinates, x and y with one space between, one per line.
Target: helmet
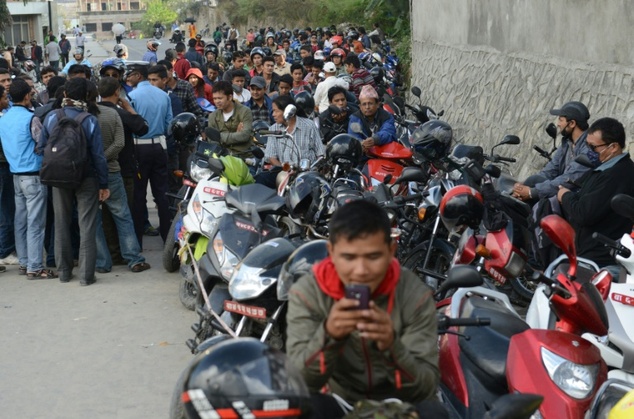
236 171
257 50
319 55
461 205
211 48
269 35
327 51
306 102
227 56
338 52
378 74
184 128
258 126
308 197
153 44
432 139
267 51
240 376
120 50
299 263
116 63
353 34
336 40
344 150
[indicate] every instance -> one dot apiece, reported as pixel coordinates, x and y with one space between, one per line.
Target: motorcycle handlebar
445 322
273 133
541 152
507 159
621 250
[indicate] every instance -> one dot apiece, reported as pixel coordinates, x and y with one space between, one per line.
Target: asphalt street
110 350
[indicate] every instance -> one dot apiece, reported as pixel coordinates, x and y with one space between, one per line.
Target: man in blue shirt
78 58
155 107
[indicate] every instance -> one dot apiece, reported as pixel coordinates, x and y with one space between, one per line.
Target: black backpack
65 157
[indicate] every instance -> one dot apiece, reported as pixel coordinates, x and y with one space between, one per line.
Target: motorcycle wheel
288 227
439 260
171 261
189 295
523 288
177 408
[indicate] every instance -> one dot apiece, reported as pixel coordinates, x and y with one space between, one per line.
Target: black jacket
589 210
329 128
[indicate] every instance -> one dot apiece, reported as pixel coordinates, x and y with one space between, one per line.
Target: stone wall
491 81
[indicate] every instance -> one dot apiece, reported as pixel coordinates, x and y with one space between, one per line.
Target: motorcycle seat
487 347
245 198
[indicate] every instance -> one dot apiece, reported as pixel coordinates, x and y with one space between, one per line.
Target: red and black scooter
480 364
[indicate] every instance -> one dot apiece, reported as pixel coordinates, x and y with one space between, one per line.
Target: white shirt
321 92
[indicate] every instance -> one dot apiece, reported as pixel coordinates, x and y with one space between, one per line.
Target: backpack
65 157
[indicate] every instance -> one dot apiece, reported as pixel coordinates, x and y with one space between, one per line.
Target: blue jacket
17 142
268 102
384 131
93 137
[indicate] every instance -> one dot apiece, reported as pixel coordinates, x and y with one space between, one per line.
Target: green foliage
157 11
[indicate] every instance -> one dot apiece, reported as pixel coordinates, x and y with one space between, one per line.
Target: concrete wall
498 66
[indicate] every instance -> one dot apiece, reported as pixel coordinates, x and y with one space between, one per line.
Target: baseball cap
330 67
258 81
573 110
279 52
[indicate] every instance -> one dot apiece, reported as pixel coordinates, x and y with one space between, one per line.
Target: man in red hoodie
385 350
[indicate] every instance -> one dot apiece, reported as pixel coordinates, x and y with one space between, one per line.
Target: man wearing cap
321 92
281 66
260 103
372 124
572 122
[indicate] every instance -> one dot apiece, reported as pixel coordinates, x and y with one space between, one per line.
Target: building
31 20
98 16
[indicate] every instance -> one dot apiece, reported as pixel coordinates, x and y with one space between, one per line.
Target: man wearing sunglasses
589 210
572 122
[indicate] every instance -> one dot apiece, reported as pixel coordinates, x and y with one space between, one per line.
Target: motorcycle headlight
247 282
208 224
198 173
516 264
576 380
226 259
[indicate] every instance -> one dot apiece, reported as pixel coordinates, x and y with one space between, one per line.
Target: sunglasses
594 147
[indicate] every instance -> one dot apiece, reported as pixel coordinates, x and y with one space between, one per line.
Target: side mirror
212 134
257 152
510 139
216 166
356 128
551 130
289 112
461 276
561 233
412 174
583 160
416 91
623 205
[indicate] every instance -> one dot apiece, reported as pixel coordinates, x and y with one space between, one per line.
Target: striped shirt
308 142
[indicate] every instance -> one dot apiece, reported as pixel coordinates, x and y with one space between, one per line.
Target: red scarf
330 284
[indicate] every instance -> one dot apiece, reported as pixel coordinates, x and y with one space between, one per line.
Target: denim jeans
30 221
7 211
117 203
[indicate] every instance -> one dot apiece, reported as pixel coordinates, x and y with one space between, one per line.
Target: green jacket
238 143
354 368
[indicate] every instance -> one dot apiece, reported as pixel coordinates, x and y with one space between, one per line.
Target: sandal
140 267
41 274
22 270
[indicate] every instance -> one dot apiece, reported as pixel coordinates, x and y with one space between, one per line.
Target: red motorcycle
386 160
481 364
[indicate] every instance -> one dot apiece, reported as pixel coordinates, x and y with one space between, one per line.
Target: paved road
110 350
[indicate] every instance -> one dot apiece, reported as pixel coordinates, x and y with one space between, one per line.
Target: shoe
151 231
65 280
102 270
22 270
88 282
3 268
12 259
140 267
41 274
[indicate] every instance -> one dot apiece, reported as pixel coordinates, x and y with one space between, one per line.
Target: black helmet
432 139
258 126
184 128
211 48
116 63
257 50
228 56
306 102
267 51
461 206
242 376
378 74
344 150
299 263
308 197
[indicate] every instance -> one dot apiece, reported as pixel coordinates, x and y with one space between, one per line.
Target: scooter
480 364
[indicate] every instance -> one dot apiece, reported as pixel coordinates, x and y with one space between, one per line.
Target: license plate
245 310
623 299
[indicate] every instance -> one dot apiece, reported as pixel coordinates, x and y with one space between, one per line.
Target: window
91 27
17 32
119 6
89 7
134 5
106 27
104 6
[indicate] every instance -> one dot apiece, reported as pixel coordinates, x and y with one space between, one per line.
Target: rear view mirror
623 205
289 112
461 276
510 139
551 130
416 91
561 233
216 166
412 174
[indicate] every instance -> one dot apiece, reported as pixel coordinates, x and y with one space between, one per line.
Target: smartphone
360 293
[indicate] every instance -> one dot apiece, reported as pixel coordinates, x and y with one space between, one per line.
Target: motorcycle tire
189 295
289 227
177 408
523 287
439 261
171 261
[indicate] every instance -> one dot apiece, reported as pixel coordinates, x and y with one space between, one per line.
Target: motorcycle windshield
240 236
254 196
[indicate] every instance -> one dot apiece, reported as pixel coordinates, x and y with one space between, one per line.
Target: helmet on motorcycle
258 51
432 139
213 48
116 63
306 102
338 52
378 74
236 171
240 376
461 206
300 262
308 197
267 51
153 44
344 150
184 128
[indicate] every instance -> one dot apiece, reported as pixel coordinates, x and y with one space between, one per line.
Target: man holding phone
360 323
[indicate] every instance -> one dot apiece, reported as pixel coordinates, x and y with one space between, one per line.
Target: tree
158 11
5 17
